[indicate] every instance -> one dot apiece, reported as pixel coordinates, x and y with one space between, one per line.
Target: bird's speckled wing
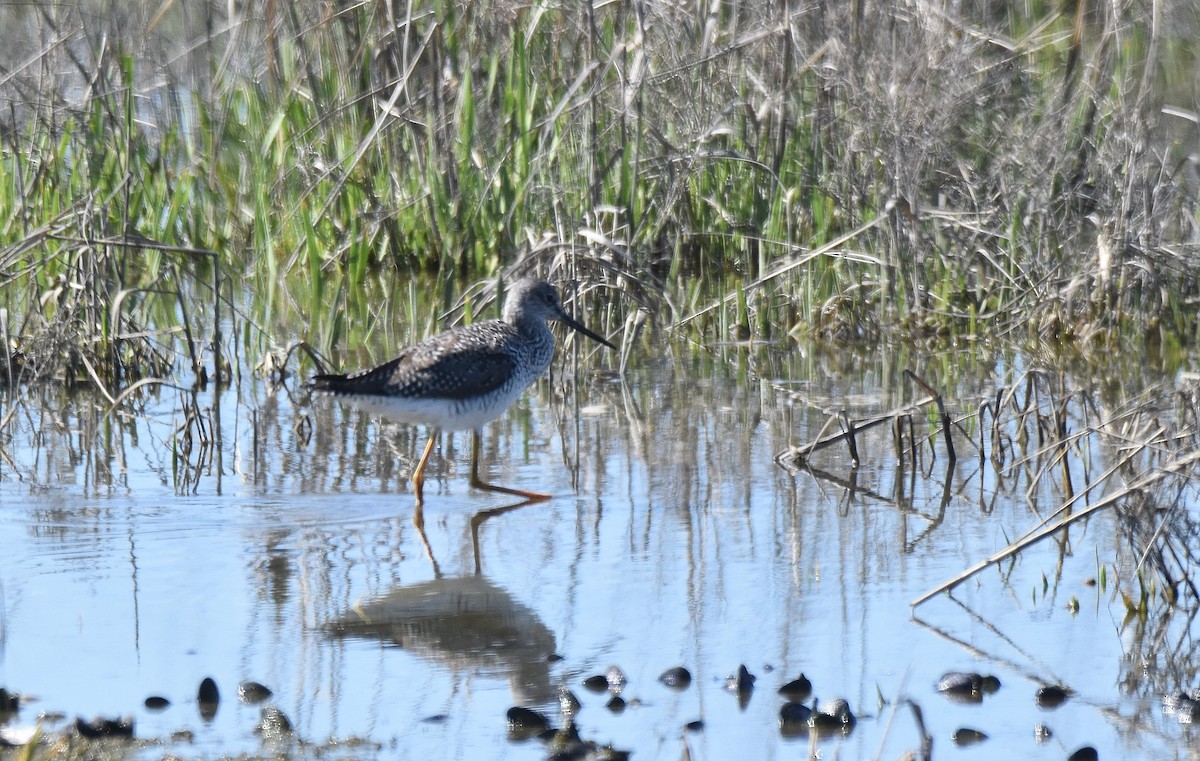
463 363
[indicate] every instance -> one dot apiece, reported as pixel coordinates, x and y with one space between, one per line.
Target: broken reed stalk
799 261
943 415
1175 466
797 455
912 440
849 428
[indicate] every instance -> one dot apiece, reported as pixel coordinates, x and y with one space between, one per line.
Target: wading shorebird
466 377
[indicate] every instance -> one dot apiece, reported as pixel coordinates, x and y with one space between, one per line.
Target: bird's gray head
537 300
530 298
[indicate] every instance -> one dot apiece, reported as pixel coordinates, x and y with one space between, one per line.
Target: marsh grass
840 171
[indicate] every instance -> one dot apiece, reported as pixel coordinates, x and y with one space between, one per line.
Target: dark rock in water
524 723
1184 707
567 745
100 727
587 750
960 681
9 701
596 683
437 718
1086 753
157 703
837 717
964 736
797 689
1051 696
795 712
615 678
568 704
694 726
742 682
208 691
273 723
616 704
793 719
209 698
967 686
742 685
677 678
562 739
253 692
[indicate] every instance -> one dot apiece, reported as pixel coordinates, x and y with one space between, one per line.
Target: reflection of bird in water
465 623
465 377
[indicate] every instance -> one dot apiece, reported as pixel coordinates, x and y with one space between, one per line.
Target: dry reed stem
1174 467
789 266
793 456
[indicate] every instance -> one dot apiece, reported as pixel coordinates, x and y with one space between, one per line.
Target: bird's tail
328 382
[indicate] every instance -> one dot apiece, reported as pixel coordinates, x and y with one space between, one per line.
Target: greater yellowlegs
465 377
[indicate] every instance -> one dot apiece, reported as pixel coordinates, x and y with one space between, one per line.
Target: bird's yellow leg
418 476
479 483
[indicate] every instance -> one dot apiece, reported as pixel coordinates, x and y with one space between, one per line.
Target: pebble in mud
253 692
1051 696
797 689
560 740
964 736
567 745
589 751
677 678
606 753
100 727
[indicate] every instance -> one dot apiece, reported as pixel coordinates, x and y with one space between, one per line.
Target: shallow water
281 547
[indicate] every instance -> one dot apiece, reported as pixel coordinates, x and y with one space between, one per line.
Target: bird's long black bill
578 326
